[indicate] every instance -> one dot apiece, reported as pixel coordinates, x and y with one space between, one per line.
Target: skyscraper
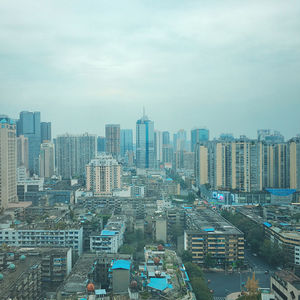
166 137
29 125
101 141
158 146
145 158
22 151
180 140
112 135
8 162
45 131
73 152
47 160
126 141
198 135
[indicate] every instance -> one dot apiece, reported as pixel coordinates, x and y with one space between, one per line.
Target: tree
209 261
252 285
186 256
200 289
126 249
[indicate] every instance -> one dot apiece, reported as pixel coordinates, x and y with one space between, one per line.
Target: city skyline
188 131
230 66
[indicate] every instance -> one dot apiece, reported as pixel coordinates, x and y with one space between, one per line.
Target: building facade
73 152
47 160
103 175
145 154
126 141
45 132
25 237
112 136
29 125
208 233
8 162
198 135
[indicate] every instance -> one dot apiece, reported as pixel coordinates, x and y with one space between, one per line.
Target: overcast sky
231 66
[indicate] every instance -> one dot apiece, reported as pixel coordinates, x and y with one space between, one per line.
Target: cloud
189 63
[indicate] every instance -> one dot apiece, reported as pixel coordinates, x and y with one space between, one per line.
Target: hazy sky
232 66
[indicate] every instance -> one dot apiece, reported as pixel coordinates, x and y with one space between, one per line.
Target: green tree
200 289
209 261
186 256
126 249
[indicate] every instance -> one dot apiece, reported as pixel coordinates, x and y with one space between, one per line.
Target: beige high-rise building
294 163
8 162
201 164
47 160
103 175
22 151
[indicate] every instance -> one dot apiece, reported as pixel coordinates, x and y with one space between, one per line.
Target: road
223 284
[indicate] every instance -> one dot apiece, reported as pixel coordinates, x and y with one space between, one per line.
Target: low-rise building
111 238
208 233
43 237
21 278
285 285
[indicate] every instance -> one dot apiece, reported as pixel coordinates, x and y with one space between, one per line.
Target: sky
229 66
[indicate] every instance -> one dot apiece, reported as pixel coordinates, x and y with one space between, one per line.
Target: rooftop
209 222
121 264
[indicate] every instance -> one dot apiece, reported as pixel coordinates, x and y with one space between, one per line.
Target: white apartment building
67 238
111 238
103 175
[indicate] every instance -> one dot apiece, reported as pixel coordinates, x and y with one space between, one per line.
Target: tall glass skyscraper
198 135
145 155
126 141
166 137
29 125
45 132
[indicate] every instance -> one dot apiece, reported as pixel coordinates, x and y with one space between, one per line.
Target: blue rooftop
121 264
285 224
100 292
281 192
267 224
159 284
108 232
209 229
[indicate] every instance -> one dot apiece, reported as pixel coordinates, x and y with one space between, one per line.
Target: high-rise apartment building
45 131
248 165
294 163
112 135
145 155
73 152
103 175
198 135
126 141
29 125
8 162
101 141
47 160
22 151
